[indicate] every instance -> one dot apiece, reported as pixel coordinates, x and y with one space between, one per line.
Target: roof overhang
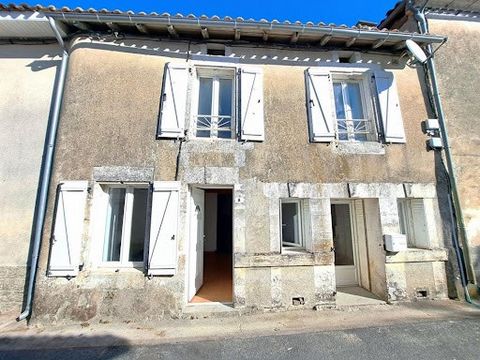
16 24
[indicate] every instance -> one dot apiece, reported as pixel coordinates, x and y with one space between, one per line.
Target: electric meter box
395 242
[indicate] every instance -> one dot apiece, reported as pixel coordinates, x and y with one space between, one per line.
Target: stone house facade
246 163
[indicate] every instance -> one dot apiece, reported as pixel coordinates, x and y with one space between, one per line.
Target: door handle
173 237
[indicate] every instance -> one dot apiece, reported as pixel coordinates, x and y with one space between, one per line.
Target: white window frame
367 97
301 229
216 73
126 227
406 219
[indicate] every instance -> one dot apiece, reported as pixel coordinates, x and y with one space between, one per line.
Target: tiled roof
363 37
79 10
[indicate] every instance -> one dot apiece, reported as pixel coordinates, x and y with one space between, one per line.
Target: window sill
285 259
359 147
418 255
117 269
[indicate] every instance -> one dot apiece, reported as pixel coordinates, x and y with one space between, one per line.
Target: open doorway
346 260
210 260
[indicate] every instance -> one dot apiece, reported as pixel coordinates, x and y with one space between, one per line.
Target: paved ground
426 330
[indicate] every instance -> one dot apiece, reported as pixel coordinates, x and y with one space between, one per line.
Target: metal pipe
45 173
248 26
463 258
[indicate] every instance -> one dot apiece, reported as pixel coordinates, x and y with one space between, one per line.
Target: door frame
353 231
189 241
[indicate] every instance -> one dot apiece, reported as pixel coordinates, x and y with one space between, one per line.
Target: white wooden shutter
162 249
419 224
320 105
68 229
251 99
389 105
173 101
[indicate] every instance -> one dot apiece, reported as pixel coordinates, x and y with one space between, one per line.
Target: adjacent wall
458 72
27 77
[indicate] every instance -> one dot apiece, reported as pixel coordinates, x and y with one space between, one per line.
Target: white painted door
344 243
196 241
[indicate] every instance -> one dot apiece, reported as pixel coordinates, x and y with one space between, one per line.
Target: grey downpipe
45 173
465 268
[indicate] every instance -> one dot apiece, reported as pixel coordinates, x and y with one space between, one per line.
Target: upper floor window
353 119
353 104
212 101
215 110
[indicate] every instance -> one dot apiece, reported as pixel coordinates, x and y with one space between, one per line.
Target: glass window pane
139 218
205 96
291 223
224 134
355 100
342 234
225 97
203 133
114 225
339 105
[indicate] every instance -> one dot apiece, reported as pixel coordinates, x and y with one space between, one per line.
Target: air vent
296 301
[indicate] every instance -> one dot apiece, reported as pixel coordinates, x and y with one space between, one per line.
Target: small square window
125 224
215 115
292 224
413 223
354 121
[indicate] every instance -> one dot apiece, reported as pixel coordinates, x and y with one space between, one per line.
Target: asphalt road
459 339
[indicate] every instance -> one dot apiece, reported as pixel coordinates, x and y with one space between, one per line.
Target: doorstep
352 296
209 309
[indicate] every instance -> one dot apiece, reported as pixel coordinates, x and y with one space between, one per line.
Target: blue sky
337 11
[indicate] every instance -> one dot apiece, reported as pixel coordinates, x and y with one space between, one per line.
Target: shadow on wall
443 195
39 65
244 54
77 346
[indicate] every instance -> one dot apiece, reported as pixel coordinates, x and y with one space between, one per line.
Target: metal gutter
465 266
249 26
45 173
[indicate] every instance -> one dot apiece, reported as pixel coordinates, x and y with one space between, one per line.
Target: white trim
99 213
353 230
216 72
301 229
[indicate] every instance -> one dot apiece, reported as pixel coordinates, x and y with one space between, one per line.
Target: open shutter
173 101
68 229
320 105
389 105
251 99
419 224
162 249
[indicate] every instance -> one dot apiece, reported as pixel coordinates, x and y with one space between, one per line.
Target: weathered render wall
27 79
109 118
457 70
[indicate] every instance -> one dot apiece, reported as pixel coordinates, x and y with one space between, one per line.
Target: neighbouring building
28 65
458 74
259 164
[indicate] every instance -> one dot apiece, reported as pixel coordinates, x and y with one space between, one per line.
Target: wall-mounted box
432 124
395 242
435 143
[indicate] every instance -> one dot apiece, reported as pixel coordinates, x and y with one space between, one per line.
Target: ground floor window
125 225
292 223
413 222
